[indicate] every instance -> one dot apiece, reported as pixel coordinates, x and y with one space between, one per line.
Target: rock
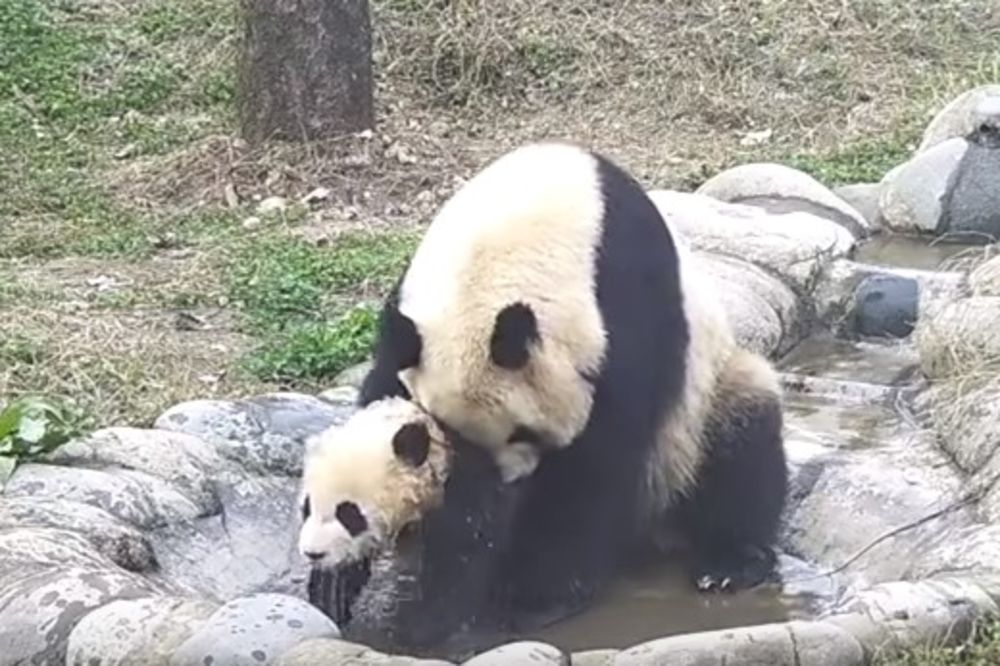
886 306
781 189
251 223
119 542
134 497
961 117
264 434
249 547
780 644
49 579
984 280
135 631
890 484
835 296
185 461
354 375
524 652
794 246
334 651
959 336
254 630
763 312
593 658
900 615
964 414
971 206
341 395
863 197
272 205
913 200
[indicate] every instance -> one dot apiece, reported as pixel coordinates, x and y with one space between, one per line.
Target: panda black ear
412 444
514 330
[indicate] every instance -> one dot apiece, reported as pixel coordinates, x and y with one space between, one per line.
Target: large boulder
961 117
950 185
264 434
781 189
795 246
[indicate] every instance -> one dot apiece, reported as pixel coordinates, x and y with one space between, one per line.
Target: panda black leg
573 526
732 517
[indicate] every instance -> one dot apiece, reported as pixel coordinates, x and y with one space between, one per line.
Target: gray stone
780 644
912 614
971 206
964 414
341 395
135 497
523 652
795 246
764 313
254 630
959 336
984 280
834 296
961 117
49 579
136 631
593 658
893 482
335 651
264 434
886 306
354 375
185 461
782 189
863 197
119 542
247 548
912 201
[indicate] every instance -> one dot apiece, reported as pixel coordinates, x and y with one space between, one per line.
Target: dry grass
123 203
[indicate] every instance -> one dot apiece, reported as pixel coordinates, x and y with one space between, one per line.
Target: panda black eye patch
351 518
306 509
514 330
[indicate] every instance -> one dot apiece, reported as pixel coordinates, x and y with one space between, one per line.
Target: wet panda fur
548 318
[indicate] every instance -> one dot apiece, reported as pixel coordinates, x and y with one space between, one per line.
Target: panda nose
315 555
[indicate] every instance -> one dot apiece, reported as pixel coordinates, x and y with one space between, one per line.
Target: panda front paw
745 569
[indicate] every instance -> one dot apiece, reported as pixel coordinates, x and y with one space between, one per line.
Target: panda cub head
366 480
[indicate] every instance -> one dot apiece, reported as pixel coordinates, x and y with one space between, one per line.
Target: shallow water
924 253
660 601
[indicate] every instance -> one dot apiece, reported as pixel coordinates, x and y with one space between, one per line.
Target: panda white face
518 397
366 480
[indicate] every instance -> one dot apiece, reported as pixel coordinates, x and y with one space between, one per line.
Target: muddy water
660 601
918 252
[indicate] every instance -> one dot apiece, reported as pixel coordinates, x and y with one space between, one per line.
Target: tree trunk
305 69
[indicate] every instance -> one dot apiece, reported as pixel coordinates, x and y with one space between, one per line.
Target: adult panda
543 318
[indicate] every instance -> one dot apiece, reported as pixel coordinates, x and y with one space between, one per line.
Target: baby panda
386 476
549 318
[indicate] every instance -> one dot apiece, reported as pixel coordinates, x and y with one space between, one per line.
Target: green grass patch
33 426
300 299
315 351
861 162
982 649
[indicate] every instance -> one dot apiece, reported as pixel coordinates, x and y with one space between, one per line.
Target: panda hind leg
733 514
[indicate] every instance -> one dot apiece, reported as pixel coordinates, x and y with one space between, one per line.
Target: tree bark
305 69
